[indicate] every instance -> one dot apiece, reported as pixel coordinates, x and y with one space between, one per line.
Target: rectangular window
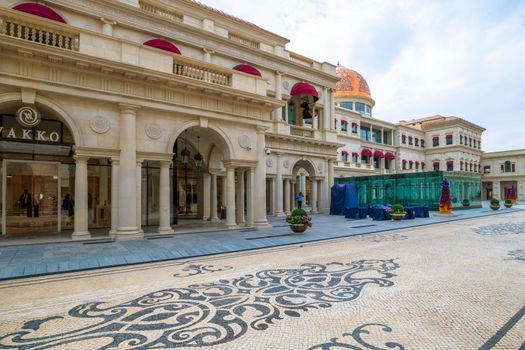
435 141
360 107
403 139
347 105
416 142
449 139
344 126
410 140
486 169
460 139
404 165
423 143
368 110
436 166
450 166
385 137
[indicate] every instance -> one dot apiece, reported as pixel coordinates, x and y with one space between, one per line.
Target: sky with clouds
464 58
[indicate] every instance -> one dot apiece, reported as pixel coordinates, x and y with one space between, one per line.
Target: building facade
503 175
373 146
134 115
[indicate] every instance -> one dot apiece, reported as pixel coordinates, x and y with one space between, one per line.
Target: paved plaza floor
41 259
453 285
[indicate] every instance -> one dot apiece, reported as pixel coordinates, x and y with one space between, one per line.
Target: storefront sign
28 116
27 134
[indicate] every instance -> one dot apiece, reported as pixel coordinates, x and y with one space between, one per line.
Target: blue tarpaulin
343 196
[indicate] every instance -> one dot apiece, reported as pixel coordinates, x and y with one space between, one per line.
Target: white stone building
373 146
152 113
502 171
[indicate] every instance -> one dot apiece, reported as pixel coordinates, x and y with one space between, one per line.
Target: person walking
299 198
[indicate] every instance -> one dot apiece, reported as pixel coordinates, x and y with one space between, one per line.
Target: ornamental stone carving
320 167
100 124
245 142
286 85
153 131
269 162
286 163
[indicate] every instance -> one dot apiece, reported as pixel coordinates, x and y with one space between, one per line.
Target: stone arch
54 107
305 164
222 137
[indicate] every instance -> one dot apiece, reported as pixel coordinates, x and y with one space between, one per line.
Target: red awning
417 163
163 44
345 152
246 68
436 163
378 154
411 161
355 154
450 162
40 11
390 155
344 122
422 163
404 160
366 153
304 89
449 136
435 138
354 124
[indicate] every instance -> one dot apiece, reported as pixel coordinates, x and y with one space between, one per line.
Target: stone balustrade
301 131
49 34
200 72
148 7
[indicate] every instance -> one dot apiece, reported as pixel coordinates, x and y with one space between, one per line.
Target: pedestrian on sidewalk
299 198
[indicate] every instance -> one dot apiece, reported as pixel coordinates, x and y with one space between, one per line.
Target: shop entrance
30 198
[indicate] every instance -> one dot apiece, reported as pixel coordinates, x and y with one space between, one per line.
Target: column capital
140 161
114 160
125 107
279 73
80 158
108 21
165 163
261 129
208 51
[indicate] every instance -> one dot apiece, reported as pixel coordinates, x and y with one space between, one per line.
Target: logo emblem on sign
28 116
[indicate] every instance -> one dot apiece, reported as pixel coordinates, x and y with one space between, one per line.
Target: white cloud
419 57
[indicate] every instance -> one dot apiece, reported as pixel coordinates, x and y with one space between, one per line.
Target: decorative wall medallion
320 166
286 163
205 314
28 116
99 124
269 162
357 341
153 131
286 85
245 142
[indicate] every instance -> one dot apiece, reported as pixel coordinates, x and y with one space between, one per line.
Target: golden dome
352 84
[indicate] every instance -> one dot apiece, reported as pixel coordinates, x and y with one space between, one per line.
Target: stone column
279 188
224 192
213 198
164 198
259 198
207 54
332 109
114 198
314 196
287 196
278 113
230 197
107 26
326 109
292 194
206 194
330 172
272 196
127 179
139 195
240 196
81 199
249 196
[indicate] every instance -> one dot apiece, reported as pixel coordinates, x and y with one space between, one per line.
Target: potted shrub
299 221
508 203
494 204
466 203
397 212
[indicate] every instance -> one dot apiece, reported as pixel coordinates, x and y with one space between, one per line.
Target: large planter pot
397 217
494 207
299 228
508 205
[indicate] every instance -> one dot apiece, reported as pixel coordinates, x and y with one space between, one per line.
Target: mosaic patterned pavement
449 286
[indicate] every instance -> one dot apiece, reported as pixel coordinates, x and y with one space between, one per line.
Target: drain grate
159 237
98 242
370 225
276 226
287 234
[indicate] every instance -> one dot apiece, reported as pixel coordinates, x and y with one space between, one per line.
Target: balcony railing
41 34
201 73
160 11
300 131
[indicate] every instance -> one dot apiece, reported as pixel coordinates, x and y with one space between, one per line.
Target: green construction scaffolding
416 188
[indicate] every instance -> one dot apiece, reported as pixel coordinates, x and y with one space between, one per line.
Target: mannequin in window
26 202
